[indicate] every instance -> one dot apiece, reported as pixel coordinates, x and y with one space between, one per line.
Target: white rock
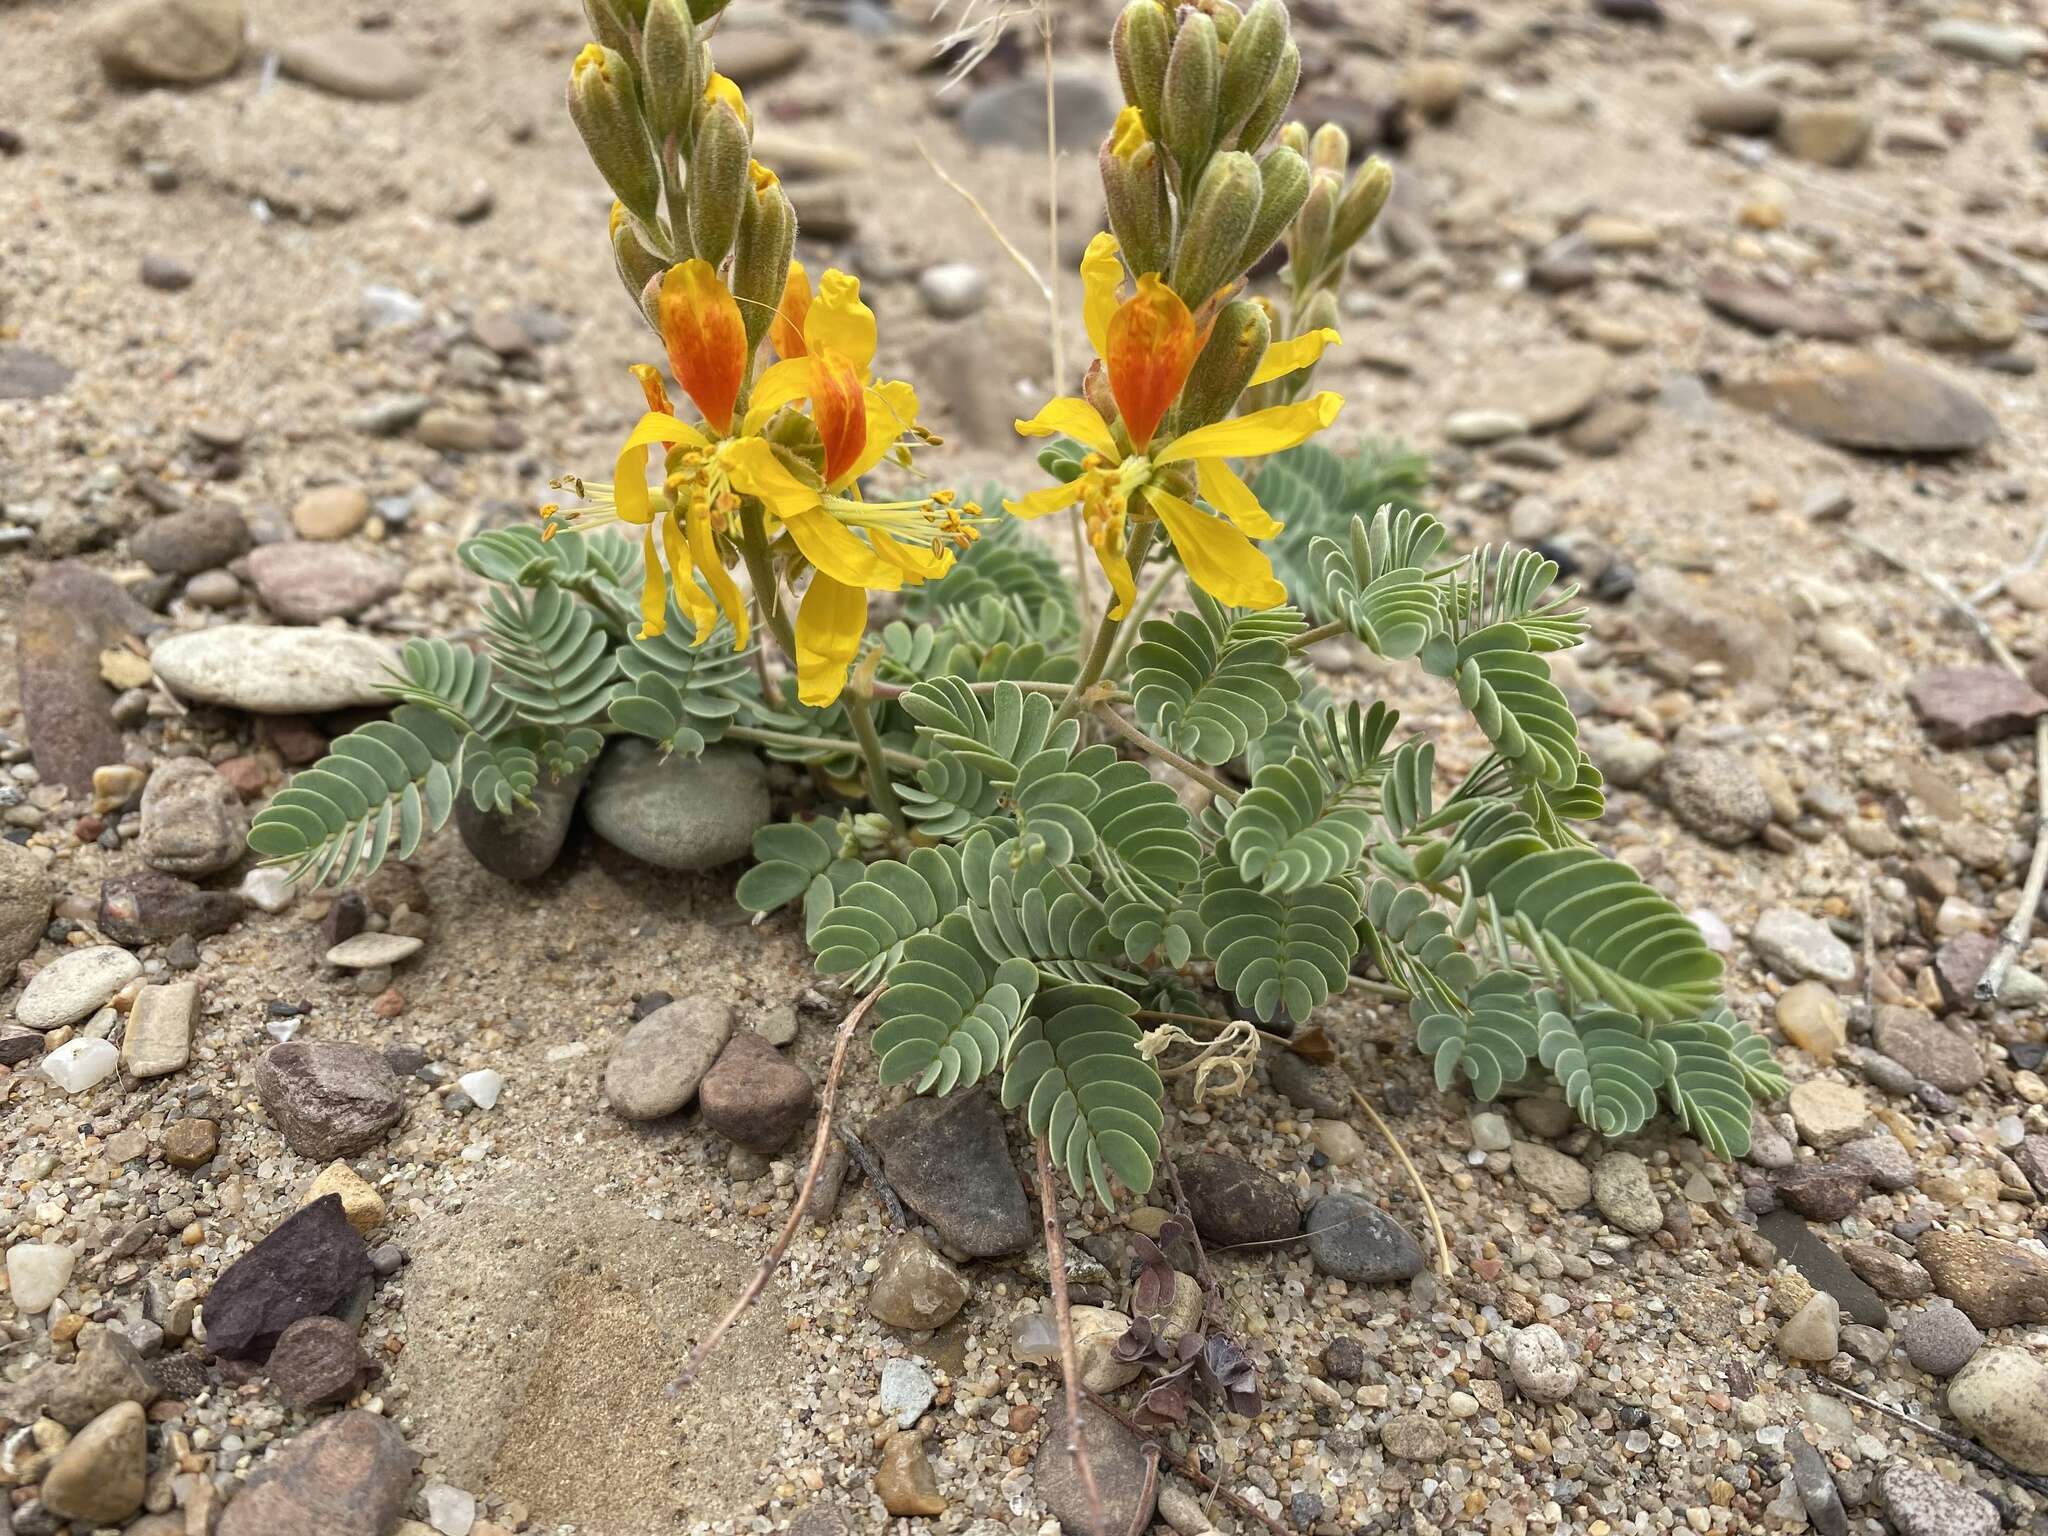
77 1065
275 671
37 1274
269 887
1541 1363
482 1087
367 951
907 1391
72 986
158 1040
451 1511
952 290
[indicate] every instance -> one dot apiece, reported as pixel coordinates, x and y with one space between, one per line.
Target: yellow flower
1148 344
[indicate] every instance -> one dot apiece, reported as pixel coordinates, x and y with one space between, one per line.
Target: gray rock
75 985
915 1287
69 615
1835 133
149 907
268 671
170 42
1749 637
317 1360
188 542
367 66
655 1069
26 374
1882 1160
1414 1437
1939 1339
1870 1345
1235 1205
1320 1088
1919 1503
1737 109
1878 404
193 822
1802 948
1621 1189
1973 706
1988 43
952 290
1625 758
108 1370
1891 1275
1814 1333
25 901
347 1476
1541 1364
906 1391
521 844
1770 309
1545 1171
686 814
2001 1398
1012 112
1716 794
949 1159
1927 1048
1551 386
1815 1485
1810 1253
329 1098
749 55
1114 1457
1353 1240
311 1264
305 581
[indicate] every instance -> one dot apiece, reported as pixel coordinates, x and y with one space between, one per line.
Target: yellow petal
892 412
722 88
705 555
782 384
689 596
839 552
1102 271
1285 357
829 626
1226 491
1220 560
629 476
839 320
1267 431
1071 416
755 471
1111 554
1038 503
653 590
918 562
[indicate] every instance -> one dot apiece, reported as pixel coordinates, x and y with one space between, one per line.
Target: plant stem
1026 685
753 543
860 714
1097 659
1166 754
1309 637
763 737
1063 1320
819 1143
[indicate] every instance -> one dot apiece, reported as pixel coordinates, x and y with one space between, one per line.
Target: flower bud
1329 149
1249 68
1141 42
1320 313
637 260
1295 137
1361 204
1225 14
1187 111
606 110
702 11
614 25
1237 343
1134 187
671 69
760 262
1279 96
1283 182
718 182
1308 247
1225 207
650 301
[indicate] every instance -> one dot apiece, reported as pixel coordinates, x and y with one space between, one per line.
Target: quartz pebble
37 1274
79 1064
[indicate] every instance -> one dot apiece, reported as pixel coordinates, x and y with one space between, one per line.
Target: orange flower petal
652 387
786 331
1152 349
707 343
839 407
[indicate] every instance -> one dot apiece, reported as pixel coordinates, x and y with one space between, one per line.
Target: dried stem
1436 1226
1987 1459
1063 1320
819 1143
1166 754
872 1172
1188 1469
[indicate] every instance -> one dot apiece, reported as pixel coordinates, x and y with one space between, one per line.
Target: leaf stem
1166 754
1309 637
753 544
1097 659
860 714
762 737
1139 609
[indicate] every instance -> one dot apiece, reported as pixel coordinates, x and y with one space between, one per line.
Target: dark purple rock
1767 308
754 1095
950 1161
1822 1191
1234 1204
148 908
1969 706
317 1360
69 616
186 543
347 917
1959 964
1649 12
18 1045
348 1476
329 1098
309 1266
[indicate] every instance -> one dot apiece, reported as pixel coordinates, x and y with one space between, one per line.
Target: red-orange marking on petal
839 407
1152 349
707 343
786 332
652 387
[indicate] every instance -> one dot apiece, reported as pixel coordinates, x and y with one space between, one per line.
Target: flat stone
1881 1159
1821 1191
109 1371
1552 385
452 431
684 813
656 1069
754 1096
329 1098
1236 1205
75 985
1321 1088
1973 706
523 843
1414 1437
1949 324
68 617
1997 1284
1834 133
186 543
309 1265
1562 1180
904 1480
1812 1255
1621 1190
1716 794
1769 309
26 896
949 1160
317 1360
1876 404
26 374
170 42
158 1039
1928 1049
369 951
915 1287
100 1477
1988 43
1815 1484
303 582
1892 1275
2001 1398
366 66
193 823
1940 1339
1353 1240
1802 948
1483 426
1750 638
1828 1114
1920 1503
276 671
1114 1456
150 907
906 1391
347 1476
749 55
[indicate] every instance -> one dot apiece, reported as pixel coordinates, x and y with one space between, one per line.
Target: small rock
683 813
1835 133
1737 109
1413 1437
1475 427
317 1360
1810 1253
26 374
1542 1365
1621 1189
1337 1141
1813 1333
2001 1398
1012 112
170 42
68 618
1547 1172
37 1274
521 844
79 1064
1997 1284
1940 1340
193 823
1353 1240
308 583
360 1203
1878 404
1716 794
75 985
1802 948
483 1087
1810 1016
754 1096
1988 43
915 1288
1919 1503
1434 87
189 542
1750 639
1973 706
329 1098
1552 385
1769 309
1892 1275
365 66
99 1478
151 907
949 1160
346 1476
1321 1089
905 1481
373 951
1927 1048
158 1040
287 671
331 512
450 1511
1114 1456
656 1069
952 290
307 1266
1624 758
1235 1205
1881 1159
108 1371
191 1142
1828 1114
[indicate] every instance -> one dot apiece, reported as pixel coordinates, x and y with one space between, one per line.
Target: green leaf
1488 1040
1294 826
863 935
1705 1085
1280 951
1609 1071
1508 689
554 662
1049 917
947 1015
1076 1069
1379 582
1207 695
678 694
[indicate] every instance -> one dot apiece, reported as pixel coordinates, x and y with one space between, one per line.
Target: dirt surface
561 1260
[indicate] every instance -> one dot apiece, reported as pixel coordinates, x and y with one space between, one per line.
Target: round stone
1353 1240
1940 1340
331 512
2001 1398
1621 1189
654 1071
1541 1364
75 985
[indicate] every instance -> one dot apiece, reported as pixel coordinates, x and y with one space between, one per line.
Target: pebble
1545 1171
915 1287
1235 1205
1940 1340
1987 43
331 512
952 290
1621 1190
450 431
1927 1048
346 1476
317 1360
1716 794
1490 1131
754 1096
904 1481
37 1274
1919 1503
483 1087
1892 1275
1542 1365
1474 427
1810 1016
1012 112
1122 1472
1973 706
283 671
1828 1114
906 1391
151 906
523 843
268 888
75 985
99 1478
307 583
213 589
2001 1399
26 896
1802 948
1413 1437
1353 1240
329 1098
158 1039
1813 1333
193 823
187 543
1997 1284
1337 1141
949 1160
305 1266
1832 133
360 1203
170 42
1878 404
656 1068
370 951
365 66
683 813
1320 1088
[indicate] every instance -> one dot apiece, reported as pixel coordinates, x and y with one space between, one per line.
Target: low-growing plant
1064 838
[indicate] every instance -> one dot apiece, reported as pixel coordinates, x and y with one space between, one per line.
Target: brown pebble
1023 1418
